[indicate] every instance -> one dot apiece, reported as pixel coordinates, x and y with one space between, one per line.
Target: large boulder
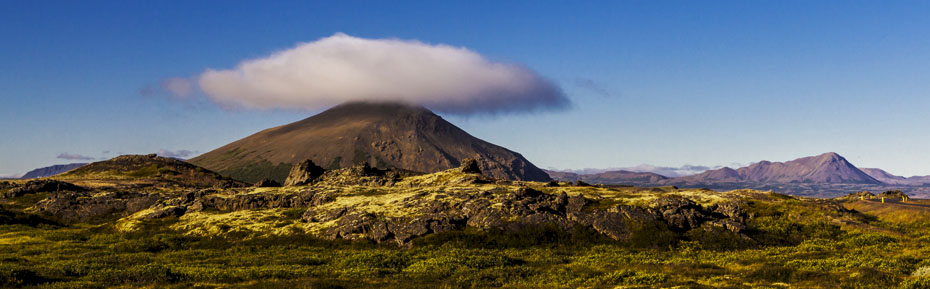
303 173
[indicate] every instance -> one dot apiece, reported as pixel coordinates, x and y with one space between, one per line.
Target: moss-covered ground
800 244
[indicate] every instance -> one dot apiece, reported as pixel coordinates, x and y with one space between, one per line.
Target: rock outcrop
266 183
509 212
303 173
364 175
91 206
39 186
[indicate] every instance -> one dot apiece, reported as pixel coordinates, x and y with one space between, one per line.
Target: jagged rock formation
382 134
303 173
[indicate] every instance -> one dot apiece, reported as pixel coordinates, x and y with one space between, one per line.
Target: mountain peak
831 156
377 107
383 134
824 168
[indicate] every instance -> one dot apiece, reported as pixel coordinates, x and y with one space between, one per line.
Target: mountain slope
828 168
382 134
51 170
888 178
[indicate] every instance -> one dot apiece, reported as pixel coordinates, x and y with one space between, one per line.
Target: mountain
382 134
828 168
563 176
610 177
51 170
888 178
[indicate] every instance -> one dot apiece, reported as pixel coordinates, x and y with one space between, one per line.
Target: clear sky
660 82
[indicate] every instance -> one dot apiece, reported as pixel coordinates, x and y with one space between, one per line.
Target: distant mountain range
822 175
829 168
887 178
51 170
609 177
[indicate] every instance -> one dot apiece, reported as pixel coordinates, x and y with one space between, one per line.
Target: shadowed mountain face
828 168
382 134
51 170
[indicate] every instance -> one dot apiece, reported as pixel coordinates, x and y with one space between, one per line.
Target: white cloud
342 68
11 176
70 156
178 154
685 170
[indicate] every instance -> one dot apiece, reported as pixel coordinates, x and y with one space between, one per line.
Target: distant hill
147 170
828 168
610 177
382 134
563 176
51 170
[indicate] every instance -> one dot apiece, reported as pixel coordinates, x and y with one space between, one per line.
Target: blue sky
666 83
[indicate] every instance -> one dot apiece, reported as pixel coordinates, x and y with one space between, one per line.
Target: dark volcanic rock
303 173
524 208
224 202
166 211
681 214
896 194
470 166
83 206
41 186
363 175
267 183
